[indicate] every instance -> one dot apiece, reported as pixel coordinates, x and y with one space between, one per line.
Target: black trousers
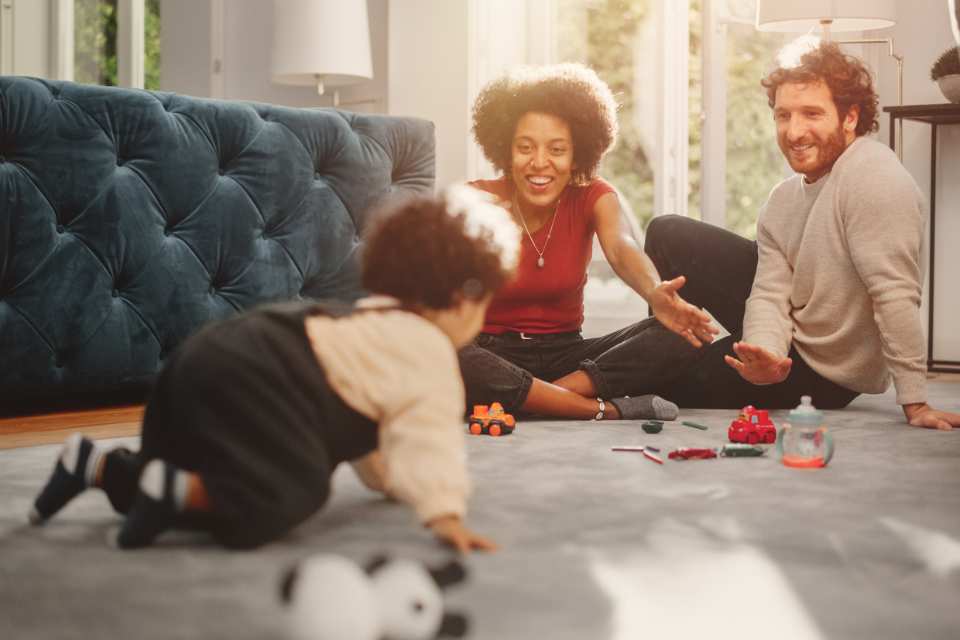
719 267
502 367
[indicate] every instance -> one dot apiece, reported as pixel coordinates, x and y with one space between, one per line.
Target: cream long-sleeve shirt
401 371
840 274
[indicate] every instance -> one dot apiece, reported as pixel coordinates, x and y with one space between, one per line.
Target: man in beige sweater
834 279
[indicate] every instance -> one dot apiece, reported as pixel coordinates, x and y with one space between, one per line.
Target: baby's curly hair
847 77
429 251
569 91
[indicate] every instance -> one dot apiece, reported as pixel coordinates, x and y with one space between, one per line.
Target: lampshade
321 42
844 15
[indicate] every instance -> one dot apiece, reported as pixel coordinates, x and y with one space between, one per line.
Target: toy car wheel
753 438
476 428
495 430
509 420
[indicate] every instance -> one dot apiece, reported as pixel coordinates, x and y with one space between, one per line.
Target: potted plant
946 73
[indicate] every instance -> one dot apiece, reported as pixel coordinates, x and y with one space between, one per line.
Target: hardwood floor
52 428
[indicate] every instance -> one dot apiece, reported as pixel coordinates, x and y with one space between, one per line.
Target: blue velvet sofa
129 219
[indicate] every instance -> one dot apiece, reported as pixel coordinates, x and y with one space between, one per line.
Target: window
618 40
704 147
115 42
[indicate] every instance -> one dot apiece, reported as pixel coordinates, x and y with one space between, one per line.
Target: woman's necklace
540 260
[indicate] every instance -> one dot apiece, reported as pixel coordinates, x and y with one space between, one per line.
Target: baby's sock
645 408
161 496
75 470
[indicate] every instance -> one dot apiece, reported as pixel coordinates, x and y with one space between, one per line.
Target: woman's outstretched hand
757 365
680 316
451 530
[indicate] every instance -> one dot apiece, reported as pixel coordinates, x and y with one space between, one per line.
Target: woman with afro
546 129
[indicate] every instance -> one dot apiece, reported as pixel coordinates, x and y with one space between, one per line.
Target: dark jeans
719 267
501 368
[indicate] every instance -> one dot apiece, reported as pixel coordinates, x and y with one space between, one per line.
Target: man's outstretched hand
923 415
680 316
757 365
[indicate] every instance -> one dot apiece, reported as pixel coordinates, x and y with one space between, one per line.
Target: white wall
26 45
186 55
922 33
429 68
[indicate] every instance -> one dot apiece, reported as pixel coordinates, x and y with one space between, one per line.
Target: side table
934 115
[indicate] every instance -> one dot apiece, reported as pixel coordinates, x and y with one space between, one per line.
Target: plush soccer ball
328 597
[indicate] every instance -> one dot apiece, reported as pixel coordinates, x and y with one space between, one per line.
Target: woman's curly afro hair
847 77
571 92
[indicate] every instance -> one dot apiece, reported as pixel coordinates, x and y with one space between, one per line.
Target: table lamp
321 43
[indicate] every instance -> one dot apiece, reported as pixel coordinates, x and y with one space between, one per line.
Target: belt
537 337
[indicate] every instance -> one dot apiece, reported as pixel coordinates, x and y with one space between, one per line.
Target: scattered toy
652 426
695 425
741 450
491 421
752 426
644 450
689 453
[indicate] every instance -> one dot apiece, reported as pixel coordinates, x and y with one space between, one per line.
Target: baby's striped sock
75 470
161 496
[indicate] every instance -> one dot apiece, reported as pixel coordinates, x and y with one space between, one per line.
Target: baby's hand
451 530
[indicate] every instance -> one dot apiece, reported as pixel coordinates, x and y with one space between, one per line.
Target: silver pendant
540 262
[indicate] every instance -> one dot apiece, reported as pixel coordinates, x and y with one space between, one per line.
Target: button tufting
115 293
167 231
221 171
60 228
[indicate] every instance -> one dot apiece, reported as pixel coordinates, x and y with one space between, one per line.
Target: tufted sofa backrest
128 219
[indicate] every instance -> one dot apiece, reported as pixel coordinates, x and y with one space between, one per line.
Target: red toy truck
752 426
491 421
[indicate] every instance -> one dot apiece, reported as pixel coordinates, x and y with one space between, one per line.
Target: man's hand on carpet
452 531
920 414
680 316
758 365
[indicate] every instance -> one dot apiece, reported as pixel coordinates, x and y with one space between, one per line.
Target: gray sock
645 408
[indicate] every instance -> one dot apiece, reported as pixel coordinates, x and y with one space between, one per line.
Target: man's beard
828 150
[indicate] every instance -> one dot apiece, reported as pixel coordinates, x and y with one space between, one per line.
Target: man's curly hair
847 77
429 251
569 91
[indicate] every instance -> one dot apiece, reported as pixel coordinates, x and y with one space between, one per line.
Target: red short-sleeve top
548 299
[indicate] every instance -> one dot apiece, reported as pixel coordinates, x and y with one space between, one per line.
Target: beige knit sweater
401 371
840 274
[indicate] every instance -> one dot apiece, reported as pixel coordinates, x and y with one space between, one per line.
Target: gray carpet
595 544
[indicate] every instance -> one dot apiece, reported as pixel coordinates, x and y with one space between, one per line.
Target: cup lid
805 413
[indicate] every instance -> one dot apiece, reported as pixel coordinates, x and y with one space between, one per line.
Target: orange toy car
491 421
752 426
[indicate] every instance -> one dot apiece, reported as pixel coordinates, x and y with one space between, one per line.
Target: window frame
130 41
